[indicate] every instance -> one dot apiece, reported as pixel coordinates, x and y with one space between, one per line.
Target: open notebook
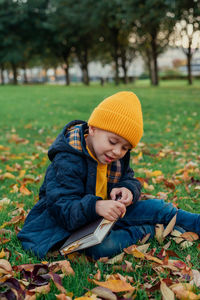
87 236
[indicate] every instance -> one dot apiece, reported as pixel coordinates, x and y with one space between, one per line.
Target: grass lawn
32 116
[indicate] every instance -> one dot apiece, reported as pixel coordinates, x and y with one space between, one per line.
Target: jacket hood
61 144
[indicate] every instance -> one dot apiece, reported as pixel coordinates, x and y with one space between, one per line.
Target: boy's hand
126 197
110 209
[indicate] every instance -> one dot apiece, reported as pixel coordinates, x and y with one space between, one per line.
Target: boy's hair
121 114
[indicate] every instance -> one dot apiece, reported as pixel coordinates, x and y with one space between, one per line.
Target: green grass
38 113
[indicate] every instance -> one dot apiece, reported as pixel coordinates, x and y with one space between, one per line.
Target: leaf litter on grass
20 174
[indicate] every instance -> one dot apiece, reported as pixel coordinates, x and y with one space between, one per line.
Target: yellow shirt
101 178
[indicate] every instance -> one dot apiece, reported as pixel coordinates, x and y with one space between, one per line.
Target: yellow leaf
3 148
8 175
115 285
2 253
21 173
167 294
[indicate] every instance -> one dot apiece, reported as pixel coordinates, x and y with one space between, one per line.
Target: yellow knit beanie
121 114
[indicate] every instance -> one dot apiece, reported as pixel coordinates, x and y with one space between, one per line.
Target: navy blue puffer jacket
67 196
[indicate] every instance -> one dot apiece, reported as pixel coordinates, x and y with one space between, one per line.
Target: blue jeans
139 220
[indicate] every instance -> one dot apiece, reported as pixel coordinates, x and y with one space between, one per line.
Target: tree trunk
55 73
124 67
2 75
85 77
83 59
25 74
189 58
155 62
67 79
14 69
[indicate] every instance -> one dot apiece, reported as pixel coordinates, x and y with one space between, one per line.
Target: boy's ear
91 130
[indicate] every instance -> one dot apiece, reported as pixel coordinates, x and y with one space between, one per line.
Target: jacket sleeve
66 200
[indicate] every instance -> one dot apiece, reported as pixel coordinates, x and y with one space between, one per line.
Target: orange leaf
190 236
115 285
24 190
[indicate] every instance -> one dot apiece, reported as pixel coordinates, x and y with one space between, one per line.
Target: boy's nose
117 151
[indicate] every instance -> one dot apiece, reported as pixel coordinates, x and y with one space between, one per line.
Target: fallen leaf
24 191
159 229
44 289
63 297
63 265
196 278
5 267
169 227
167 294
190 236
104 293
97 276
2 253
4 201
145 238
8 175
116 259
115 285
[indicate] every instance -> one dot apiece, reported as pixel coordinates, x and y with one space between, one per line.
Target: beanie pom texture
121 114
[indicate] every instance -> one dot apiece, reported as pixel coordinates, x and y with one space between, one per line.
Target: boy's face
106 146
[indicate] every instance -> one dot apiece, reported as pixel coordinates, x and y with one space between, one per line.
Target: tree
187 30
153 22
115 31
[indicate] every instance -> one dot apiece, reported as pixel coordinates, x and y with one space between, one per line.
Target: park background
60 35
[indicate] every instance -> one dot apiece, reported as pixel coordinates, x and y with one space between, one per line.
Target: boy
89 165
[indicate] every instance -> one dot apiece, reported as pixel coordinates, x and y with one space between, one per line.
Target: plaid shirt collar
73 136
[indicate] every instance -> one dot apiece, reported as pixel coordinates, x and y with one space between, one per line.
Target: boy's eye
112 142
125 148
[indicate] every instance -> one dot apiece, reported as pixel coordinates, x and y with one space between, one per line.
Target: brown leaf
169 227
167 294
190 236
129 266
57 281
145 238
63 265
115 285
5 267
63 297
116 259
143 248
159 229
97 276
104 293
24 190
44 289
